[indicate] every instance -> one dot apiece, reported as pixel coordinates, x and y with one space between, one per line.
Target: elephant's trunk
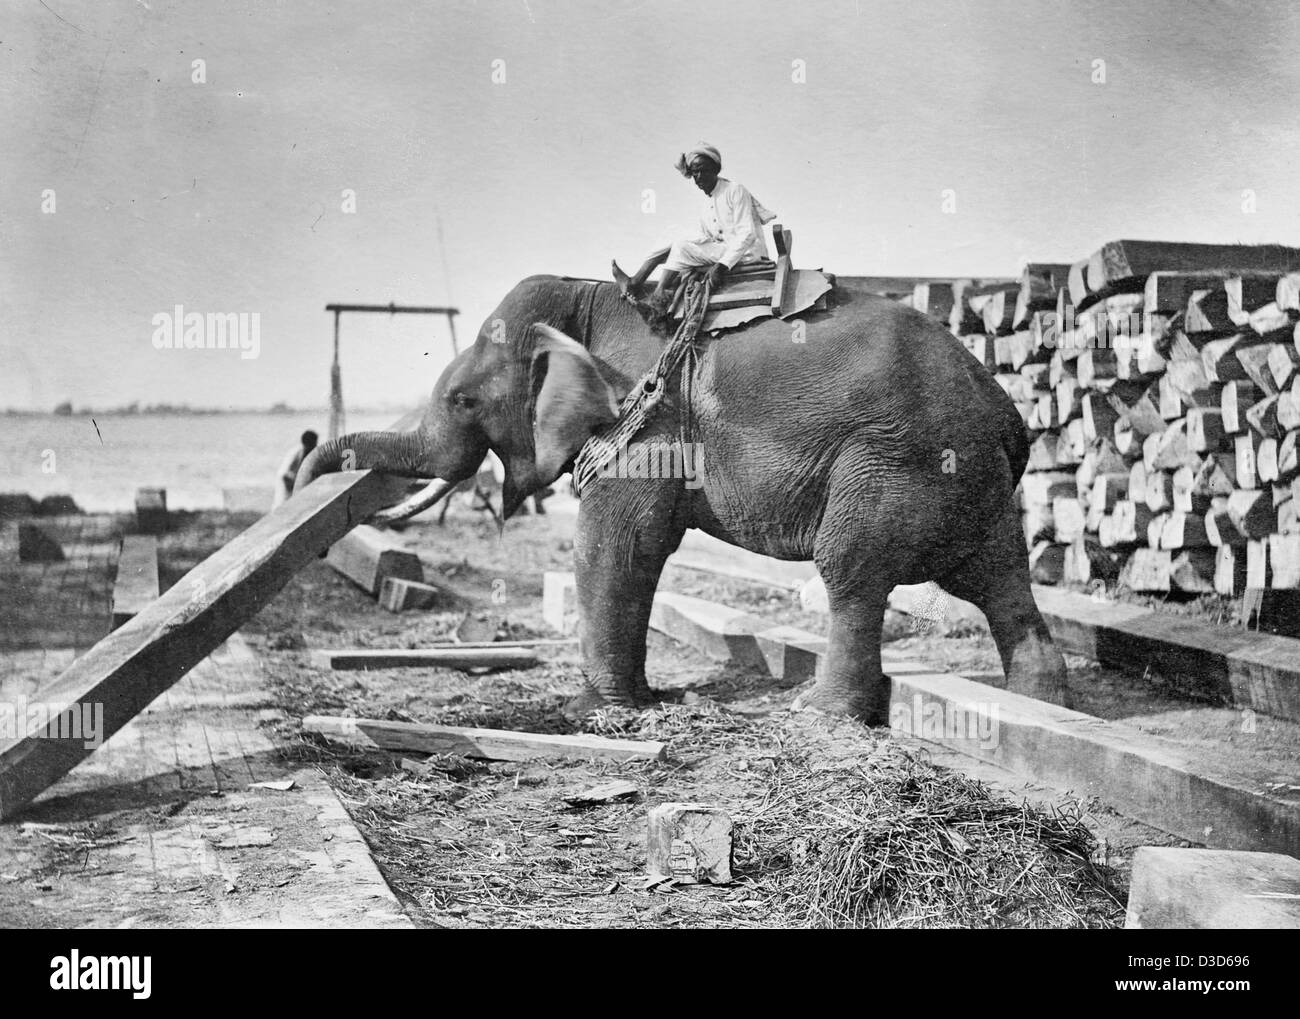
403 453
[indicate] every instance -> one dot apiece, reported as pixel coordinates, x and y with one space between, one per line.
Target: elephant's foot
578 708
1038 671
1044 687
854 703
636 694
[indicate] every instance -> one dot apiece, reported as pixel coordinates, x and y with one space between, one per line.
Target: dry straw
834 828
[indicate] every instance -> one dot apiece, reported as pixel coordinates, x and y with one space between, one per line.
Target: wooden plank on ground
398 594
126 670
367 555
1213 889
700 551
1145 776
462 657
487 744
1255 670
136 585
730 635
1272 610
1224 663
151 510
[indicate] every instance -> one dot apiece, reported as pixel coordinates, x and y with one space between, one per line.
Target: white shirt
733 216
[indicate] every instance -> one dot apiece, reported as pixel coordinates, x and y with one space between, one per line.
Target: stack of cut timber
1160 387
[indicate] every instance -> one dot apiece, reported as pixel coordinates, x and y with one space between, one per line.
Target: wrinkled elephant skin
866 440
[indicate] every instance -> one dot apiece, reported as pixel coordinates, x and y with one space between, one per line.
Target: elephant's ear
573 402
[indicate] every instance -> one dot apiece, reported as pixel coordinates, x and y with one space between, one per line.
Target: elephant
862 437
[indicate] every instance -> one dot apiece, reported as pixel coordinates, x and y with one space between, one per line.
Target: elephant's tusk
431 493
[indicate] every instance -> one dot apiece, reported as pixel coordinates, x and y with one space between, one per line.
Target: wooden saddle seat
760 289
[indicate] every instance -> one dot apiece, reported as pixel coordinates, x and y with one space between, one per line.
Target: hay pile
834 828
898 842
883 838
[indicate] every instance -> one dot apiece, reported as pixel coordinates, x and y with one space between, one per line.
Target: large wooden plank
488 744
1213 889
398 594
1185 791
126 670
151 510
1124 259
481 657
700 551
137 577
1255 670
725 634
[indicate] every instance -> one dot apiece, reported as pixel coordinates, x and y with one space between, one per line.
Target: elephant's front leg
622 542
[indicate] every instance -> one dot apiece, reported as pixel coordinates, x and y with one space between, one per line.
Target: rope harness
640 403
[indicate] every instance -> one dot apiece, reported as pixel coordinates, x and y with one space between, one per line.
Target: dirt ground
483 845
470 844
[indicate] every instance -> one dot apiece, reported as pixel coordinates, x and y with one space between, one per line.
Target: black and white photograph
648 464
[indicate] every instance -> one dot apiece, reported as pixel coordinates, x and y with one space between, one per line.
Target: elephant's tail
1015 440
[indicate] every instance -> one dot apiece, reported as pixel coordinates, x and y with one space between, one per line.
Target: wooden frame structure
336 373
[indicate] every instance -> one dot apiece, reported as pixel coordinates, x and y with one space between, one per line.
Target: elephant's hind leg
867 543
852 683
996 580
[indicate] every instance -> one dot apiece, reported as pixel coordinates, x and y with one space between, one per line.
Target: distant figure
288 472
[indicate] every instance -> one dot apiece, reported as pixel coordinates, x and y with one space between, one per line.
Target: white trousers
694 254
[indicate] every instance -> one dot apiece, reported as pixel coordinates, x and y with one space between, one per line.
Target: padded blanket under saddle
746 296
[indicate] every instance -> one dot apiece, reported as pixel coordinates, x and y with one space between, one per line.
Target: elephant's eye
464 400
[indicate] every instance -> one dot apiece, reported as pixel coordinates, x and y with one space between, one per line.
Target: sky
438 152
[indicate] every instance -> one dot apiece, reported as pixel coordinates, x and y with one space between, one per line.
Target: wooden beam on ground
486 744
398 594
699 551
1254 670
1272 610
151 510
1213 889
724 634
1217 663
1145 776
462 657
126 670
367 556
137 577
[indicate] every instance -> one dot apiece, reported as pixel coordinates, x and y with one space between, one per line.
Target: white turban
702 149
